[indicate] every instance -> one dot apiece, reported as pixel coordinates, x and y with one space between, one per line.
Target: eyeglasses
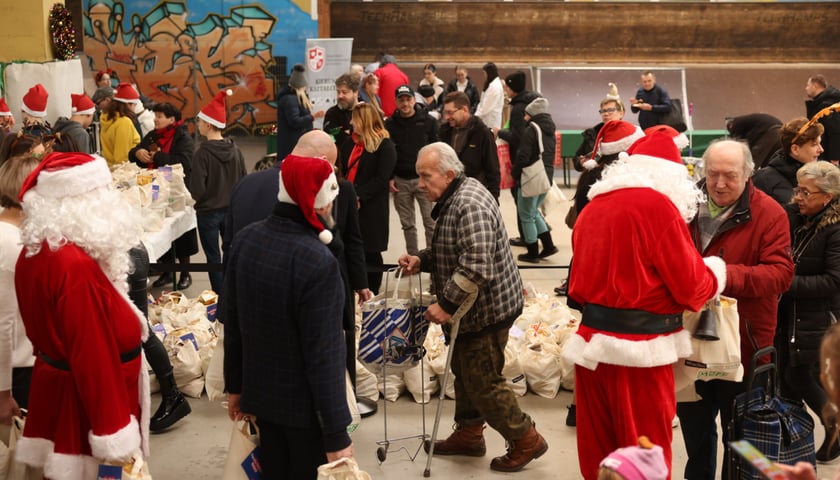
804 193
608 110
450 112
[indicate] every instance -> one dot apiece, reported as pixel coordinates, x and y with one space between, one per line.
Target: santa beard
667 178
100 222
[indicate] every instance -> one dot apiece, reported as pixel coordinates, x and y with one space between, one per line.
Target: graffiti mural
172 59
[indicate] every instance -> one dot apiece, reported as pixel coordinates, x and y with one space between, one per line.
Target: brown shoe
467 441
532 445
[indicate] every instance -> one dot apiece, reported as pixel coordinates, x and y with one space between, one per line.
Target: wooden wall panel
611 33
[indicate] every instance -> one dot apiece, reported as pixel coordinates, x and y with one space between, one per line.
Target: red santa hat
126 94
35 101
680 140
81 104
657 151
615 136
310 184
215 112
65 174
4 108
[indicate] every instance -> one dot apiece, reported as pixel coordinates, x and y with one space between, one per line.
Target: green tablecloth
570 141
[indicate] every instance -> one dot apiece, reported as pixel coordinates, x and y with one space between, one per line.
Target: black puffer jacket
530 147
513 134
778 178
470 90
813 302
831 137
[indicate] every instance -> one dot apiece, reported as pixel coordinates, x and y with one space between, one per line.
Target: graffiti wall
184 51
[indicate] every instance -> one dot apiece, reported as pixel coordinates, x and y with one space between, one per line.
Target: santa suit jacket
619 240
74 314
755 244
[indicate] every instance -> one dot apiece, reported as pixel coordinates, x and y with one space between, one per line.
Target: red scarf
165 136
355 157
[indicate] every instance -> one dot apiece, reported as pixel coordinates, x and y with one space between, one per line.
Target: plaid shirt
470 241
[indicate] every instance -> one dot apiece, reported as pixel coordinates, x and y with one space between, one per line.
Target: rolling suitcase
781 429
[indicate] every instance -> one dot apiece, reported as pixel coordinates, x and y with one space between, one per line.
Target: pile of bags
533 357
156 193
186 328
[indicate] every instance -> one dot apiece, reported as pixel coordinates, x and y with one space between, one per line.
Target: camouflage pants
480 390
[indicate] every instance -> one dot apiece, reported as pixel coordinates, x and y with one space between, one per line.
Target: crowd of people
302 244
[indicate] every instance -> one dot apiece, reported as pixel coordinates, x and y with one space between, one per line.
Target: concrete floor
196 447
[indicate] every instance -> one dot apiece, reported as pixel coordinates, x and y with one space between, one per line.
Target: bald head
316 143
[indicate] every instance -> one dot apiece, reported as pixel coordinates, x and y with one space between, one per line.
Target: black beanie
516 81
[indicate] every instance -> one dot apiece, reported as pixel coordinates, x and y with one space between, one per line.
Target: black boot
548 245
167 278
533 255
173 406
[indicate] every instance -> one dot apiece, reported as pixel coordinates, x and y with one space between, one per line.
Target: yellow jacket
118 137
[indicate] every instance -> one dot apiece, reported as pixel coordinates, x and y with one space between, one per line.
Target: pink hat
680 140
215 112
657 151
310 184
4 108
126 94
82 104
35 101
637 463
614 137
63 174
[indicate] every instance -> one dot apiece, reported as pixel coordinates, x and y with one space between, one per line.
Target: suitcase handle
756 370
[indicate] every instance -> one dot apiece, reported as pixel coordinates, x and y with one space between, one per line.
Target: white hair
100 222
674 183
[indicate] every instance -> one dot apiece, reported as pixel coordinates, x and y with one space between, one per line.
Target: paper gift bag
243 459
712 359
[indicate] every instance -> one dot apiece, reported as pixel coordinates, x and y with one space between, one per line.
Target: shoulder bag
534 181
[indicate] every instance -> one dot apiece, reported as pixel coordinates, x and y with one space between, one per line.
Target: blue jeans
530 217
210 230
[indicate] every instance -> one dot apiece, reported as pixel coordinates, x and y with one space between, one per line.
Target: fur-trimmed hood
830 215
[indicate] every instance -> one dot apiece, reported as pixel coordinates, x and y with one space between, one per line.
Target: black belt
626 321
63 365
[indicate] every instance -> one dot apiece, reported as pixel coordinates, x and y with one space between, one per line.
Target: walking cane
455 321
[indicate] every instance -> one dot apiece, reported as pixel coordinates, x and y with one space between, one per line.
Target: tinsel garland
62 31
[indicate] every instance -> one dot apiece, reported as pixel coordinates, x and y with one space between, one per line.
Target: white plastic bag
342 469
422 383
512 371
543 369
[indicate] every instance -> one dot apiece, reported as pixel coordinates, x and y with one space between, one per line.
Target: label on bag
167 172
109 472
190 337
251 465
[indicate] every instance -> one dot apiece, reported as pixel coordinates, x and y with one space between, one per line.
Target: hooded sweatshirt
216 167
74 131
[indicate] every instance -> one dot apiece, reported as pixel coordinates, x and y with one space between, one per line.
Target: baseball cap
404 90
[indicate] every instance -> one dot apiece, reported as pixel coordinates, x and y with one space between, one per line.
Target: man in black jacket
821 95
472 140
337 118
651 102
411 128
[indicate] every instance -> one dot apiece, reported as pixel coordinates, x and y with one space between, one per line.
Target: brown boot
532 445
467 441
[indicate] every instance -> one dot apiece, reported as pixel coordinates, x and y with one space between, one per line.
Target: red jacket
390 77
755 244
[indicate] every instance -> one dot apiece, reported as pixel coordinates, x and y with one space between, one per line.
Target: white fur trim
681 141
590 164
118 445
211 120
282 195
89 111
663 350
74 181
33 451
326 237
622 144
718 267
144 324
327 193
5 114
34 113
61 466
656 164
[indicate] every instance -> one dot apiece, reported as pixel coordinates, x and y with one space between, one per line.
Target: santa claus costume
89 395
636 270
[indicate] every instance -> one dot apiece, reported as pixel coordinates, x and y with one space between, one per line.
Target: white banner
326 60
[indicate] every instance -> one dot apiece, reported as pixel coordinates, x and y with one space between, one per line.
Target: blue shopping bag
393 329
